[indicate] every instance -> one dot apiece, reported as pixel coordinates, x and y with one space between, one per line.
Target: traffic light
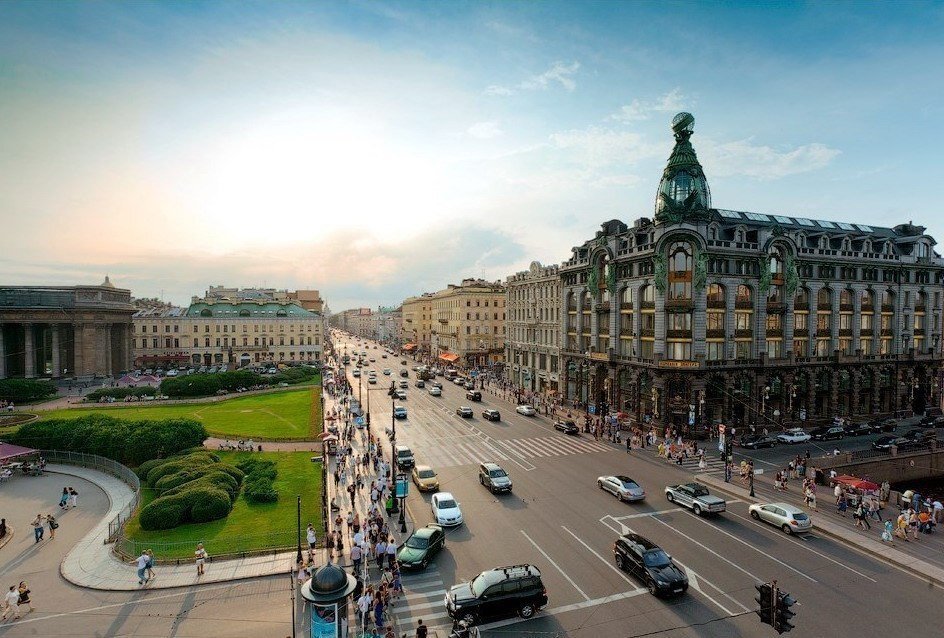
391 390
766 600
782 613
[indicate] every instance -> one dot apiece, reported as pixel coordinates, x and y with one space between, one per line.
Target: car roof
625 478
426 532
420 468
403 447
443 495
491 466
792 509
642 541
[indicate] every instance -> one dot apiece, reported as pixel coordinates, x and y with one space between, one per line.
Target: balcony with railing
717 304
743 304
714 333
679 304
744 333
888 307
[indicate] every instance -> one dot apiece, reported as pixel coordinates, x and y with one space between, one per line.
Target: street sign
474 373
592 408
403 486
721 441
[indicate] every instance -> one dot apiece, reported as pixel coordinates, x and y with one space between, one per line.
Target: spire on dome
683 193
107 283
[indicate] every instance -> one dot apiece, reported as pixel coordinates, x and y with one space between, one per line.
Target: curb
912 566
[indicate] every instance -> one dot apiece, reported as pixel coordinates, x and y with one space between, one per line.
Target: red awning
409 346
449 357
9 451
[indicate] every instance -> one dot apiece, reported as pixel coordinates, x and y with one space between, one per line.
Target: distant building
532 342
468 327
416 324
307 299
65 331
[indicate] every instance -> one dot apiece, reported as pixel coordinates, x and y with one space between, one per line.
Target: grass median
286 415
250 527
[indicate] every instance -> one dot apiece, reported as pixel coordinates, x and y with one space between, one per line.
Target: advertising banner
324 621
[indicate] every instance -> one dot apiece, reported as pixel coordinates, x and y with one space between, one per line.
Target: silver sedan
789 518
622 487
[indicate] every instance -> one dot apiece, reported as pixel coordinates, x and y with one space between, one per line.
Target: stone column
109 353
128 358
29 353
3 356
78 361
56 370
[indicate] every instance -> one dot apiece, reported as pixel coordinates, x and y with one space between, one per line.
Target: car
372 380
622 487
492 476
172 373
405 458
421 546
498 593
827 433
459 381
464 411
400 394
446 510
756 441
404 373
566 426
491 415
793 435
383 356
916 435
473 395
887 424
402 362
372 360
425 478
434 391
419 383
356 373
399 412
404 384
858 429
650 564
436 384
790 518
887 441
526 410
386 372
213 370
926 422
696 497
470 385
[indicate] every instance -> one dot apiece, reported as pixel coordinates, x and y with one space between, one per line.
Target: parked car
473 395
436 384
421 546
419 383
887 424
386 371
492 476
927 422
434 391
858 429
399 412
917 435
498 593
404 373
790 518
425 478
464 411
887 441
446 510
696 497
827 433
372 380
491 415
756 441
650 564
622 487
405 458
526 410
566 426
793 435
356 373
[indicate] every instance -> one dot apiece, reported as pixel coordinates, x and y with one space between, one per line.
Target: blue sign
403 486
359 422
324 621
474 373
592 409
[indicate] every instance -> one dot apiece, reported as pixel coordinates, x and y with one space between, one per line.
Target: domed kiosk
325 595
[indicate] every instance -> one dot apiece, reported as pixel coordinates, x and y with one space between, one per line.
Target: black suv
648 562
498 593
827 433
473 395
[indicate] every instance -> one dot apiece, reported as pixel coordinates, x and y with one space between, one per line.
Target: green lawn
291 414
249 526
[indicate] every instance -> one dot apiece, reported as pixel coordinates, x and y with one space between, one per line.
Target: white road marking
566 608
710 551
605 561
644 514
746 544
558 567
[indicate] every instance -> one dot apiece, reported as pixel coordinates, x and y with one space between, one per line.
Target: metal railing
108 466
181 552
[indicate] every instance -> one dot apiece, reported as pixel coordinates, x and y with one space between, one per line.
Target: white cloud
743 158
484 130
601 147
641 109
559 73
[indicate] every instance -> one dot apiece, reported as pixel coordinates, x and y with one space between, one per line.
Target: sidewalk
92 564
824 523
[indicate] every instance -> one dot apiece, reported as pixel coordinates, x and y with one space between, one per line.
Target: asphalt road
557 518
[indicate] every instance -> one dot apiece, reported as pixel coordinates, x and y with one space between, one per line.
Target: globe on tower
683 193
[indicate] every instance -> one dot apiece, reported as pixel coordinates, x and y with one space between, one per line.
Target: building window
715 350
801 348
742 350
774 349
679 350
680 271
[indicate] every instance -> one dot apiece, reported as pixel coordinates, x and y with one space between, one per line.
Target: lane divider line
558 567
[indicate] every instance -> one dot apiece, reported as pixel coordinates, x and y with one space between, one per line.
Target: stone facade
468 327
532 346
79 331
417 324
705 315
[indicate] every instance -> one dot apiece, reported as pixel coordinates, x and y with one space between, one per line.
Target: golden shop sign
678 364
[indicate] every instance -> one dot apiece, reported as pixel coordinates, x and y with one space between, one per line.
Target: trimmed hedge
128 442
202 385
258 486
121 393
26 390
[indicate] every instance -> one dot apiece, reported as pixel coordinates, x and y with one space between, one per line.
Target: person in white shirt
312 537
143 561
11 602
363 607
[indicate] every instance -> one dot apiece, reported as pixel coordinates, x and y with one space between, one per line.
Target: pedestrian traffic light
782 613
765 598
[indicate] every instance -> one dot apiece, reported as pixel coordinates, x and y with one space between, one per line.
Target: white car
400 394
387 371
622 487
795 435
356 373
790 518
526 410
446 510
434 391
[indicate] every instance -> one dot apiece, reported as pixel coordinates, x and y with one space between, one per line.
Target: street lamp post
298 523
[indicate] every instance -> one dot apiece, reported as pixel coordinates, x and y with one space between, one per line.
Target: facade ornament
655 402
700 274
611 278
593 280
683 194
792 276
765 275
661 272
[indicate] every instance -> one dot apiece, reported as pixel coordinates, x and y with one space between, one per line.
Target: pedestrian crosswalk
713 462
472 449
423 599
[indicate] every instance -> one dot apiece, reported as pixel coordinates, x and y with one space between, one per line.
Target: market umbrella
857 483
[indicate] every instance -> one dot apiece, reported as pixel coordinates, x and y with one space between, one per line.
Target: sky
377 150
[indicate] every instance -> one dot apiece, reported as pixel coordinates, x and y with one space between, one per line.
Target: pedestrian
629 444
11 603
150 563
53 525
64 499
38 528
363 607
380 553
73 498
24 592
142 562
842 503
311 536
200 557
356 557
887 532
391 552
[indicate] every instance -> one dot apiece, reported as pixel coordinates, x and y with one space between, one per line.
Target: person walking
24 591
150 563
200 557
38 528
11 603
73 498
142 562
356 557
64 499
53 525
311 536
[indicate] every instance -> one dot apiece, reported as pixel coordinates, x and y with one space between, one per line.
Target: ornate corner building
704 315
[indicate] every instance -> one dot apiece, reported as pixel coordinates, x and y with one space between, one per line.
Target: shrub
213 480
26 390
258 467
128 442
121 393
212 505
260 490
162 513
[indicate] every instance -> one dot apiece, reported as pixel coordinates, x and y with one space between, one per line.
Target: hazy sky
378 150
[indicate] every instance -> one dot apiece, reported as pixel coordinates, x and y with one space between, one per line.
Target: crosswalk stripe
543 445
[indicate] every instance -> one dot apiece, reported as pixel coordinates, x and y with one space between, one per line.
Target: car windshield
447 504
415 542
497 473
426 474
404 453
656 558
700 491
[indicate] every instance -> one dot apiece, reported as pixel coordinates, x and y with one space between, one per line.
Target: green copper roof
683 193
249 309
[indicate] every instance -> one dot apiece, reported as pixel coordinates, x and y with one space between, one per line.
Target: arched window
845 298
888 300
627 297
281 313
868 299
647 294
824 299
715 295
206 313
243 313
802 298
680 271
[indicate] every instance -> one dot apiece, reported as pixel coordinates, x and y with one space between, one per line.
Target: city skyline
380 150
